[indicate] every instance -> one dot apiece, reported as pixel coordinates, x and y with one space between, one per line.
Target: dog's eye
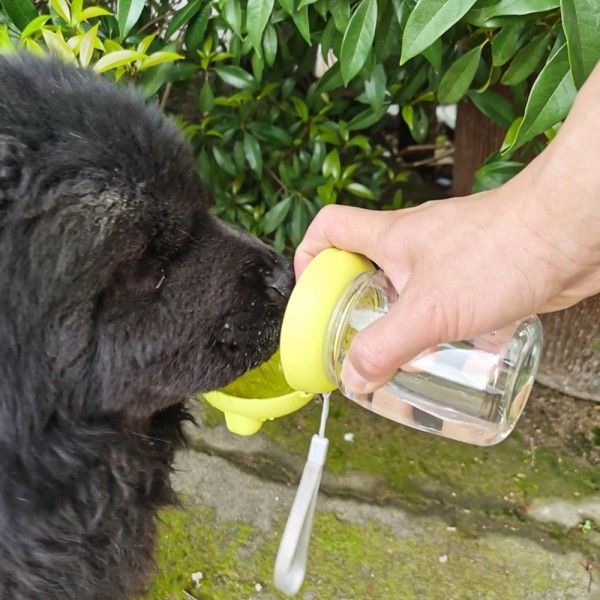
171 236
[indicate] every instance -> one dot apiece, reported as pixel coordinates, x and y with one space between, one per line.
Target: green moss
481 490
346 561
419 466
191 541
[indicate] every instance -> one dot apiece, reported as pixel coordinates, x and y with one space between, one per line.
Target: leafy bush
274 141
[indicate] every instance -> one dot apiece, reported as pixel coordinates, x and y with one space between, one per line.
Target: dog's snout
279 276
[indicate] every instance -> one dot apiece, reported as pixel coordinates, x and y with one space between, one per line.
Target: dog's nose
279 277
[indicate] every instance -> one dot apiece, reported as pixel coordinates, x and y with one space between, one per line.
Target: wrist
561 208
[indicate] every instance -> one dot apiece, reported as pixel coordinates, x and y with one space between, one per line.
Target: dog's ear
12 153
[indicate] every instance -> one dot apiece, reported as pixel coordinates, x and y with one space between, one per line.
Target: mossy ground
347 561
480 494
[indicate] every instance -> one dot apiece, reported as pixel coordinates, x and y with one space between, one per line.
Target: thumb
378 351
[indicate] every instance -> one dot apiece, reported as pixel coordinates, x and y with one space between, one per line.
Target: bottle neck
366 299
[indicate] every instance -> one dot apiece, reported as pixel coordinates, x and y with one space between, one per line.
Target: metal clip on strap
290 564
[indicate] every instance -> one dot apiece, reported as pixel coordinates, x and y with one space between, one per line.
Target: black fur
119 298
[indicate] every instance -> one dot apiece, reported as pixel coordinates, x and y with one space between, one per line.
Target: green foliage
91 35
274 140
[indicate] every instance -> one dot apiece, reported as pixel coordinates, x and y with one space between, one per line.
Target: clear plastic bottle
473 391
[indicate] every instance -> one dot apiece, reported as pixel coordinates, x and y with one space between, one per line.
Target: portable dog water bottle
472 391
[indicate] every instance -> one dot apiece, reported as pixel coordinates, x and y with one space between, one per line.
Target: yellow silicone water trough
256 396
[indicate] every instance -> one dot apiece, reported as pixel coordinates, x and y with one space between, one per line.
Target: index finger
345 227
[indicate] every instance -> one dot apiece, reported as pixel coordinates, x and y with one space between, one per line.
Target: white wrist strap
290 564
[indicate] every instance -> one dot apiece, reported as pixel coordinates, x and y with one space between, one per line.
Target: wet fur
119 298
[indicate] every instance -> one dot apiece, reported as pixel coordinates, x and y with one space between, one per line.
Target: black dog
119 298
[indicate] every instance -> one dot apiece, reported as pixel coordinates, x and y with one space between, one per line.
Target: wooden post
475 138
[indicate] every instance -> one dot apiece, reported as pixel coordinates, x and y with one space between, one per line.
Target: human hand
467 266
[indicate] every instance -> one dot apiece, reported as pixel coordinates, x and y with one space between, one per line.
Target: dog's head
118 291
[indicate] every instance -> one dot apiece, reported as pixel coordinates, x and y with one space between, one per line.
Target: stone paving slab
516 522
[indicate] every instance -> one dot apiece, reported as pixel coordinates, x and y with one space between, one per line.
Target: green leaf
253 153
496 107
271 134
258 66
359 141
550 99
527 59
433 54
331 165
366 118
128 14
416 77
498 13
408 114
358 39
270 45
287 5
34 26
239 157
495 174
327 193
182 16
360 190
521 7
151 81
388 36
505 43
86 48
299 224
375 88
258 13
223 160
317 158
194 36
511 135
428 21
275 216
236 77
206 99
145 43
340 11
235 100
117 59
20 12
93 11
301 108
62 9
300 18
459 76
57 45
417 122
6 45
581 24
232 12
157 58
76 8
330 80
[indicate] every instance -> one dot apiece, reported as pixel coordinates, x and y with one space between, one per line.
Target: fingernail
351 379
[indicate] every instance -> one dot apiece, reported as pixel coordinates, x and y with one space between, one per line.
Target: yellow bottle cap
308 315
